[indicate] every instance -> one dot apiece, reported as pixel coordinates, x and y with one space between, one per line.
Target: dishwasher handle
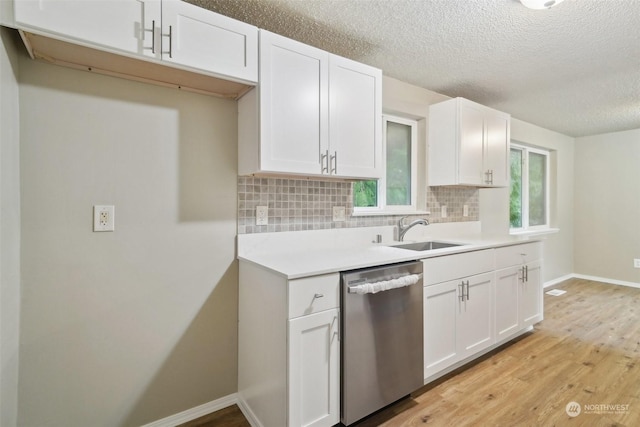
384 285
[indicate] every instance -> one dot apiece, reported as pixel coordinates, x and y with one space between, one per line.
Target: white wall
494 203
9 230
607 181
124 328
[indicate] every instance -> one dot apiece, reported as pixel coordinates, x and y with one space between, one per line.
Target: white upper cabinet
468 144
313 114
123 25
169 30
199 38
355 119
293 125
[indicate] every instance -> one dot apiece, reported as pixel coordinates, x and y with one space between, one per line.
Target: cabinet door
471 138
475 315
294 94
355 119
496 147
531 295
441 304
125 25
314 370
506 302
202 39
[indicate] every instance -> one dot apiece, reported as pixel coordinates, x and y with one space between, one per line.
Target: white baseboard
593 278
606 280
247 412
197 412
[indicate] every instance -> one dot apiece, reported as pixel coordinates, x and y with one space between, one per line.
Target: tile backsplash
307 204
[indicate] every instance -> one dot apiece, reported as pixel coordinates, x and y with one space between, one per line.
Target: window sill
538 232
389 213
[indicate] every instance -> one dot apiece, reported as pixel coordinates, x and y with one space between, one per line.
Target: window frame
526 150
382 208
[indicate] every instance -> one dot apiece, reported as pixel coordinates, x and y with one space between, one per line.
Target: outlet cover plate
339 214
104 218
262 215
636 263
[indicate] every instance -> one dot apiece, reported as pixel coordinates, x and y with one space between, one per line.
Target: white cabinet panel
440 318
293 105
199 38
496 149
310 295
471 128
126 25
355 118
314 370
475 324
531 295
449 267
507 307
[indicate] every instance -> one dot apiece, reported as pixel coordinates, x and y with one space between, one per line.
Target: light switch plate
104 218
339 213
636 263
443 211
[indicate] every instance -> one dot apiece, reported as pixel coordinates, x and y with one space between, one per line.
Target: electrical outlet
636 263
465 210
339 213
262 215
443 211
104 218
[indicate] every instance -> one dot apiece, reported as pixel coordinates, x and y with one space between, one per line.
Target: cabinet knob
318 296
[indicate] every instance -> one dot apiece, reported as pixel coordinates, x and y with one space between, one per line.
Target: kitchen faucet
402 229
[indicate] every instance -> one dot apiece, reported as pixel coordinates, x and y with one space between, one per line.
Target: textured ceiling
574 69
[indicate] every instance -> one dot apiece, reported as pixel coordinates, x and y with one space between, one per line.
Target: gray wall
607 181
9 229
128 327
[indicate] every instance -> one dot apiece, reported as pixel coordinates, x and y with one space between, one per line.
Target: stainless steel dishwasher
382 338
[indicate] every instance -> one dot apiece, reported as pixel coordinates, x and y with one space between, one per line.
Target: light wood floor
586 350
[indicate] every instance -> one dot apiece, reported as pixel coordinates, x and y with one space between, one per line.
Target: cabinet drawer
451 267
313 294
518 254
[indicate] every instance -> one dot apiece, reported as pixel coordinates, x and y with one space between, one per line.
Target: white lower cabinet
288 348
475 301
518 298
314 381
458 320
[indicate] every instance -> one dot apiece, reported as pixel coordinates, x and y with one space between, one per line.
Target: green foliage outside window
515 196
365 194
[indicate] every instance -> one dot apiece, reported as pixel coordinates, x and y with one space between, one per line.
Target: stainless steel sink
426 246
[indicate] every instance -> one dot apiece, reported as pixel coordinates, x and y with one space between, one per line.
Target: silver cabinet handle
491 176
170 41
334 163
526 273
324 160
461 288
315 296
468 294
153 36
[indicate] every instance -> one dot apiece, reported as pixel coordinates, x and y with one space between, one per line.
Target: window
397 190
529 196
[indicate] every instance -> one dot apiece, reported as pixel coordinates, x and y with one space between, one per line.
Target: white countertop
309 253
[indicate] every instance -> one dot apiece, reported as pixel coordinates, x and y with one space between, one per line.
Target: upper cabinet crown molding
160 41
313 114
468 144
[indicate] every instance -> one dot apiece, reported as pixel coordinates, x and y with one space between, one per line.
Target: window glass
365 194
529 188
537 189
397 190
515 200
398 164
